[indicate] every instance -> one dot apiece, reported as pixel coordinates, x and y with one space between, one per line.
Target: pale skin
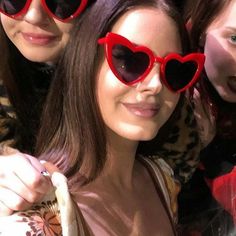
219 44
116 202
39 38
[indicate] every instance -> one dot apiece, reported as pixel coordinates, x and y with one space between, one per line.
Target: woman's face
39 37
220 51
137 112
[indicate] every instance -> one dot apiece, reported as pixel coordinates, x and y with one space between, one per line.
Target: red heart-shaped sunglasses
131 63
62 10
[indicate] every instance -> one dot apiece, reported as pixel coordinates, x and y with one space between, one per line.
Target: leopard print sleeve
182 147
8 121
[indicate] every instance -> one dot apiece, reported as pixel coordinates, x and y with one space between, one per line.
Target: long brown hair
73 132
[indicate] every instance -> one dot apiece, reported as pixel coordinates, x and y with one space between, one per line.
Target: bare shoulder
41 220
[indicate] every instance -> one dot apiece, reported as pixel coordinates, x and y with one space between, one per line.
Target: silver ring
45 173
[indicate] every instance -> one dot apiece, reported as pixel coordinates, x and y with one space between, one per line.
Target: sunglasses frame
48 11
112 39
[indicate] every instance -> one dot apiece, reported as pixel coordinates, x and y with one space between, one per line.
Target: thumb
50 168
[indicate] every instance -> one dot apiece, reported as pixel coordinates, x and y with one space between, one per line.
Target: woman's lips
39 39
144 110
231 82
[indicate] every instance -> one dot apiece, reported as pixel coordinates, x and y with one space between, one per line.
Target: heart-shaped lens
128 64
179 74
11 7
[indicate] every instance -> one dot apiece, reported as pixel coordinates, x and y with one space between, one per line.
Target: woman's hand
21 181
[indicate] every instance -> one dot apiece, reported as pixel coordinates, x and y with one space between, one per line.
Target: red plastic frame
112 39
44 4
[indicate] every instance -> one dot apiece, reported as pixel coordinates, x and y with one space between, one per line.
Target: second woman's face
220 51
137 112
37 36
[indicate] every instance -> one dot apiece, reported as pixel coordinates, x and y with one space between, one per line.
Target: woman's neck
119 166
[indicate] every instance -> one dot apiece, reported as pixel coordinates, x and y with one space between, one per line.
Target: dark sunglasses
131 63
62 10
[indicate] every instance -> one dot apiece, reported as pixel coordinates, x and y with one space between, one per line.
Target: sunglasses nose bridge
158 60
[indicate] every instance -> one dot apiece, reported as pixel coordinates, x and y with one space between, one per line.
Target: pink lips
38 39
144 110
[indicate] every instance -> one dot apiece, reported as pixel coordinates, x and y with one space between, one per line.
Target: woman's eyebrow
232 28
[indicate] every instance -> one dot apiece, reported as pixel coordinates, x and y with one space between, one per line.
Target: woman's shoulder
160 166
164 176
163 169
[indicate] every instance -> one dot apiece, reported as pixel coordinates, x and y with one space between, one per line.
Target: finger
51 168
13 201
35 163
29 172
14 184
4 210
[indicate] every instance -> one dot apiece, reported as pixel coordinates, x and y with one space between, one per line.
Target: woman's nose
152 83
36 14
